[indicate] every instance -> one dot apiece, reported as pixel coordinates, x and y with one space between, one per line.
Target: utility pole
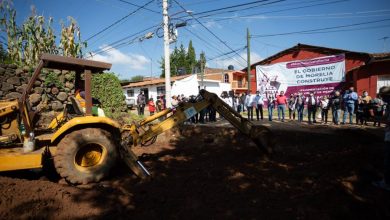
248 59
166 55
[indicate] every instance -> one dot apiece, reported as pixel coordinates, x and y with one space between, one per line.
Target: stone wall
44 96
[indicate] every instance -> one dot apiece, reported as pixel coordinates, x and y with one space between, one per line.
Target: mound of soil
213 172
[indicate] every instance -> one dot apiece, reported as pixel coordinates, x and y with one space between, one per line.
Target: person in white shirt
270 104
228 100
311 107
250 102
324 104
259 105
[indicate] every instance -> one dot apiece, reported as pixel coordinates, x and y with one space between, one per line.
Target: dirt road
211 172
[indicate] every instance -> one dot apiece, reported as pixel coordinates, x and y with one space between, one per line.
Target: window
226 78
130 93
160 90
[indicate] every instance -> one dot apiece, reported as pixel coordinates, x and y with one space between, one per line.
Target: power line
275 11
207 43
232 6
234 10
119 20
346 30
224 43
119 42
201 2
319 29
310 16
147 9
109 48
222 55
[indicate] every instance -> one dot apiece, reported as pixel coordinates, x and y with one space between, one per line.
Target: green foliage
185 61
35 36
69 46
201 63
51 79
190 58
4 55
107 88
137 78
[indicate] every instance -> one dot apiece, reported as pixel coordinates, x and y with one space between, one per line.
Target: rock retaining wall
51 91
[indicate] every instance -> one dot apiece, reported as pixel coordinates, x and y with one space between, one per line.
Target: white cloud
208 24
128 60
212 24
237 61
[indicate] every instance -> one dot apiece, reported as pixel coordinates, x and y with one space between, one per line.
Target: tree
183 61
201 64
137 78
191 58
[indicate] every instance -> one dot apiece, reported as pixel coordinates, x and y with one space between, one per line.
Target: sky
115 29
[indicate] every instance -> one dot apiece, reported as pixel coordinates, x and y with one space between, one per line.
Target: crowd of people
345 107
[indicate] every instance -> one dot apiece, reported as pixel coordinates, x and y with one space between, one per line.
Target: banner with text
319 75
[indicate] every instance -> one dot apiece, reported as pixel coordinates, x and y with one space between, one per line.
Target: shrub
51 79
107 88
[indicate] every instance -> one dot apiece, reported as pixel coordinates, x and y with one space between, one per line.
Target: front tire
85 155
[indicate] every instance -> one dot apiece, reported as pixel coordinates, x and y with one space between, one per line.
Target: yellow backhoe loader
84 147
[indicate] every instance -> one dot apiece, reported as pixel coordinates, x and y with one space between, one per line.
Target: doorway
146 93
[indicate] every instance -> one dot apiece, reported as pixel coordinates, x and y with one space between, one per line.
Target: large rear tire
85 155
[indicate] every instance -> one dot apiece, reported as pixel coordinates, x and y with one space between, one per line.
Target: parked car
130 102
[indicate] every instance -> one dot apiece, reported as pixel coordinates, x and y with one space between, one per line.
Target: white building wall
152 91
187 86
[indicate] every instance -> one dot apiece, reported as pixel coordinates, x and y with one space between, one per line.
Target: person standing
349 98
365 97
151 107
385 182
300 106
259 105
366 104
311 108
228 100
324 104
291 106
250 102
335 104
377 105
242 101
270 105
281 101
360 111
141 102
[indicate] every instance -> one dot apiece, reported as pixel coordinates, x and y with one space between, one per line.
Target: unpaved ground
318 172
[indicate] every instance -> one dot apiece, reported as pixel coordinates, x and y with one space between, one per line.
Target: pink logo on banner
316 62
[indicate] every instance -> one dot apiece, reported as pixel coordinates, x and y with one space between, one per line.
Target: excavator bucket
133 163
263 138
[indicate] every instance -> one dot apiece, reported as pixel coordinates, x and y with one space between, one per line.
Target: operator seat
76 106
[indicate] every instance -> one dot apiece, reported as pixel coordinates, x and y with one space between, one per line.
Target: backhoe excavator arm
259 134
143 132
